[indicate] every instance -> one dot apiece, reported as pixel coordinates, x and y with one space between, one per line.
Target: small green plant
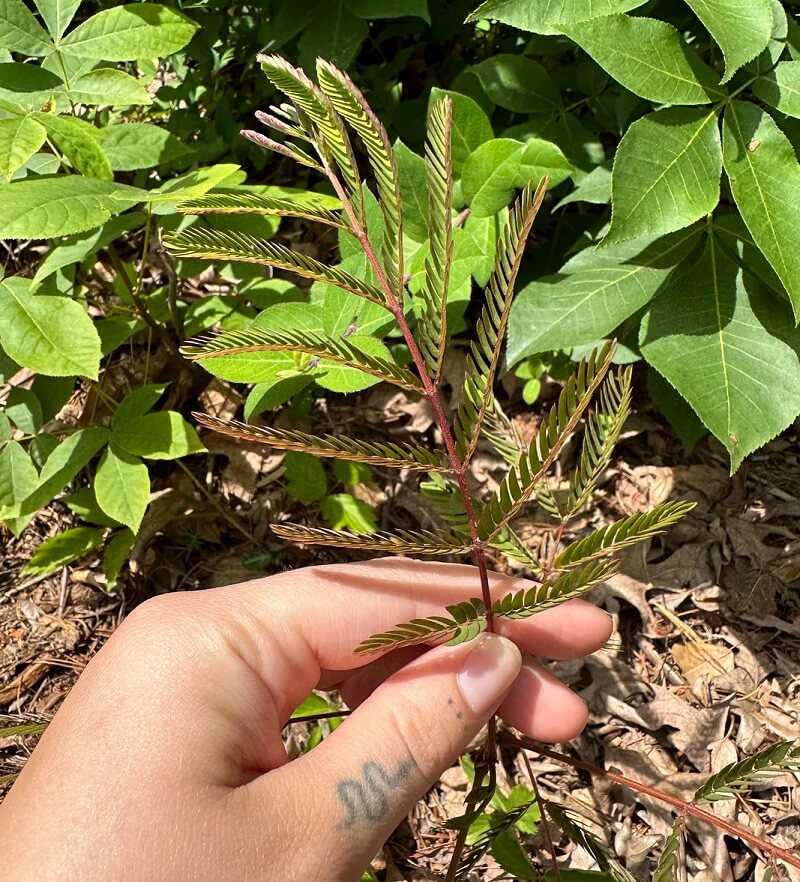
317 124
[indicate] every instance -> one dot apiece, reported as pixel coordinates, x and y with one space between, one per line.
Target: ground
704 667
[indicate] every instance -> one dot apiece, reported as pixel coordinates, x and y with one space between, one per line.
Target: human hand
166 760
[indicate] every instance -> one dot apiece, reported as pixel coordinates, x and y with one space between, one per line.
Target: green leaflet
726 344
51 335
666 173
20 138
648 57
122 487
80 143
18 479
471 126
741 776
57 551
20 31
781 88
57 14
594 292
548 16
741 27
518 83
765 181
162 435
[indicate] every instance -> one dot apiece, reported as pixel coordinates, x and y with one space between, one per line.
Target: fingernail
488 671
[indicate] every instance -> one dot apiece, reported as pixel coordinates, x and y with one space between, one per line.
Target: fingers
372 769
323 613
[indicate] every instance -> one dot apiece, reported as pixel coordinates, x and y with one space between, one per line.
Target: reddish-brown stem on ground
684 807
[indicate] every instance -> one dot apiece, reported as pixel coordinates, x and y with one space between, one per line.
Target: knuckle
408 724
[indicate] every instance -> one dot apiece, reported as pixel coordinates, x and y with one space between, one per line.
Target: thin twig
684 807
543 816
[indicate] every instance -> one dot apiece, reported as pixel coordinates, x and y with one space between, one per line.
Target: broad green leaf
18 479
781 88
499 167
20 138
344 512
137 403
338 378
77 248
666 173
50 335
335 34
676 409
5 428
765 181
28 86
79 141
518 83
266 396
57 14
730 349
108 86
131 146
83 503
20 32
24 409
373 9
128 32
648 57
60 550
413 191
116 553
777 41
741 27
547 16
122 486
47 207
596 291
189 186
594 187
305 476
63 465
471 126
163 435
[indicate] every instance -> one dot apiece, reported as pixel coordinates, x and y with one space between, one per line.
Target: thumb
363 779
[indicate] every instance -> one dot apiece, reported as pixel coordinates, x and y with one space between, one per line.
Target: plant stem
684 807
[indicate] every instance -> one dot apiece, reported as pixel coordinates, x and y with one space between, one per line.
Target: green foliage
741 776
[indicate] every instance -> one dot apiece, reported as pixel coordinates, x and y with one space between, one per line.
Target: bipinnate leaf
48 334
466 620
742 776
313 106
765 181
667 867
621 534
395 542
520 483
742 28
548 16
484 353
341 350
433 295
348 101
216 244
602 432
648 57
528 602
726 343
244 202
340 447
666 173
579 830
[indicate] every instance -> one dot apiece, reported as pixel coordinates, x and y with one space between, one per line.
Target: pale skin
166 761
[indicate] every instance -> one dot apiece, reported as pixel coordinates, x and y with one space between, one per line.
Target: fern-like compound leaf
499 823
602 433
667 867
445 498
238 202
347 100
216 244
314 106
527 602
621 534
342 350
502 433
391 454
521 480
747 773
484 353
433 542
285 148
578 829
466 621
433 296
